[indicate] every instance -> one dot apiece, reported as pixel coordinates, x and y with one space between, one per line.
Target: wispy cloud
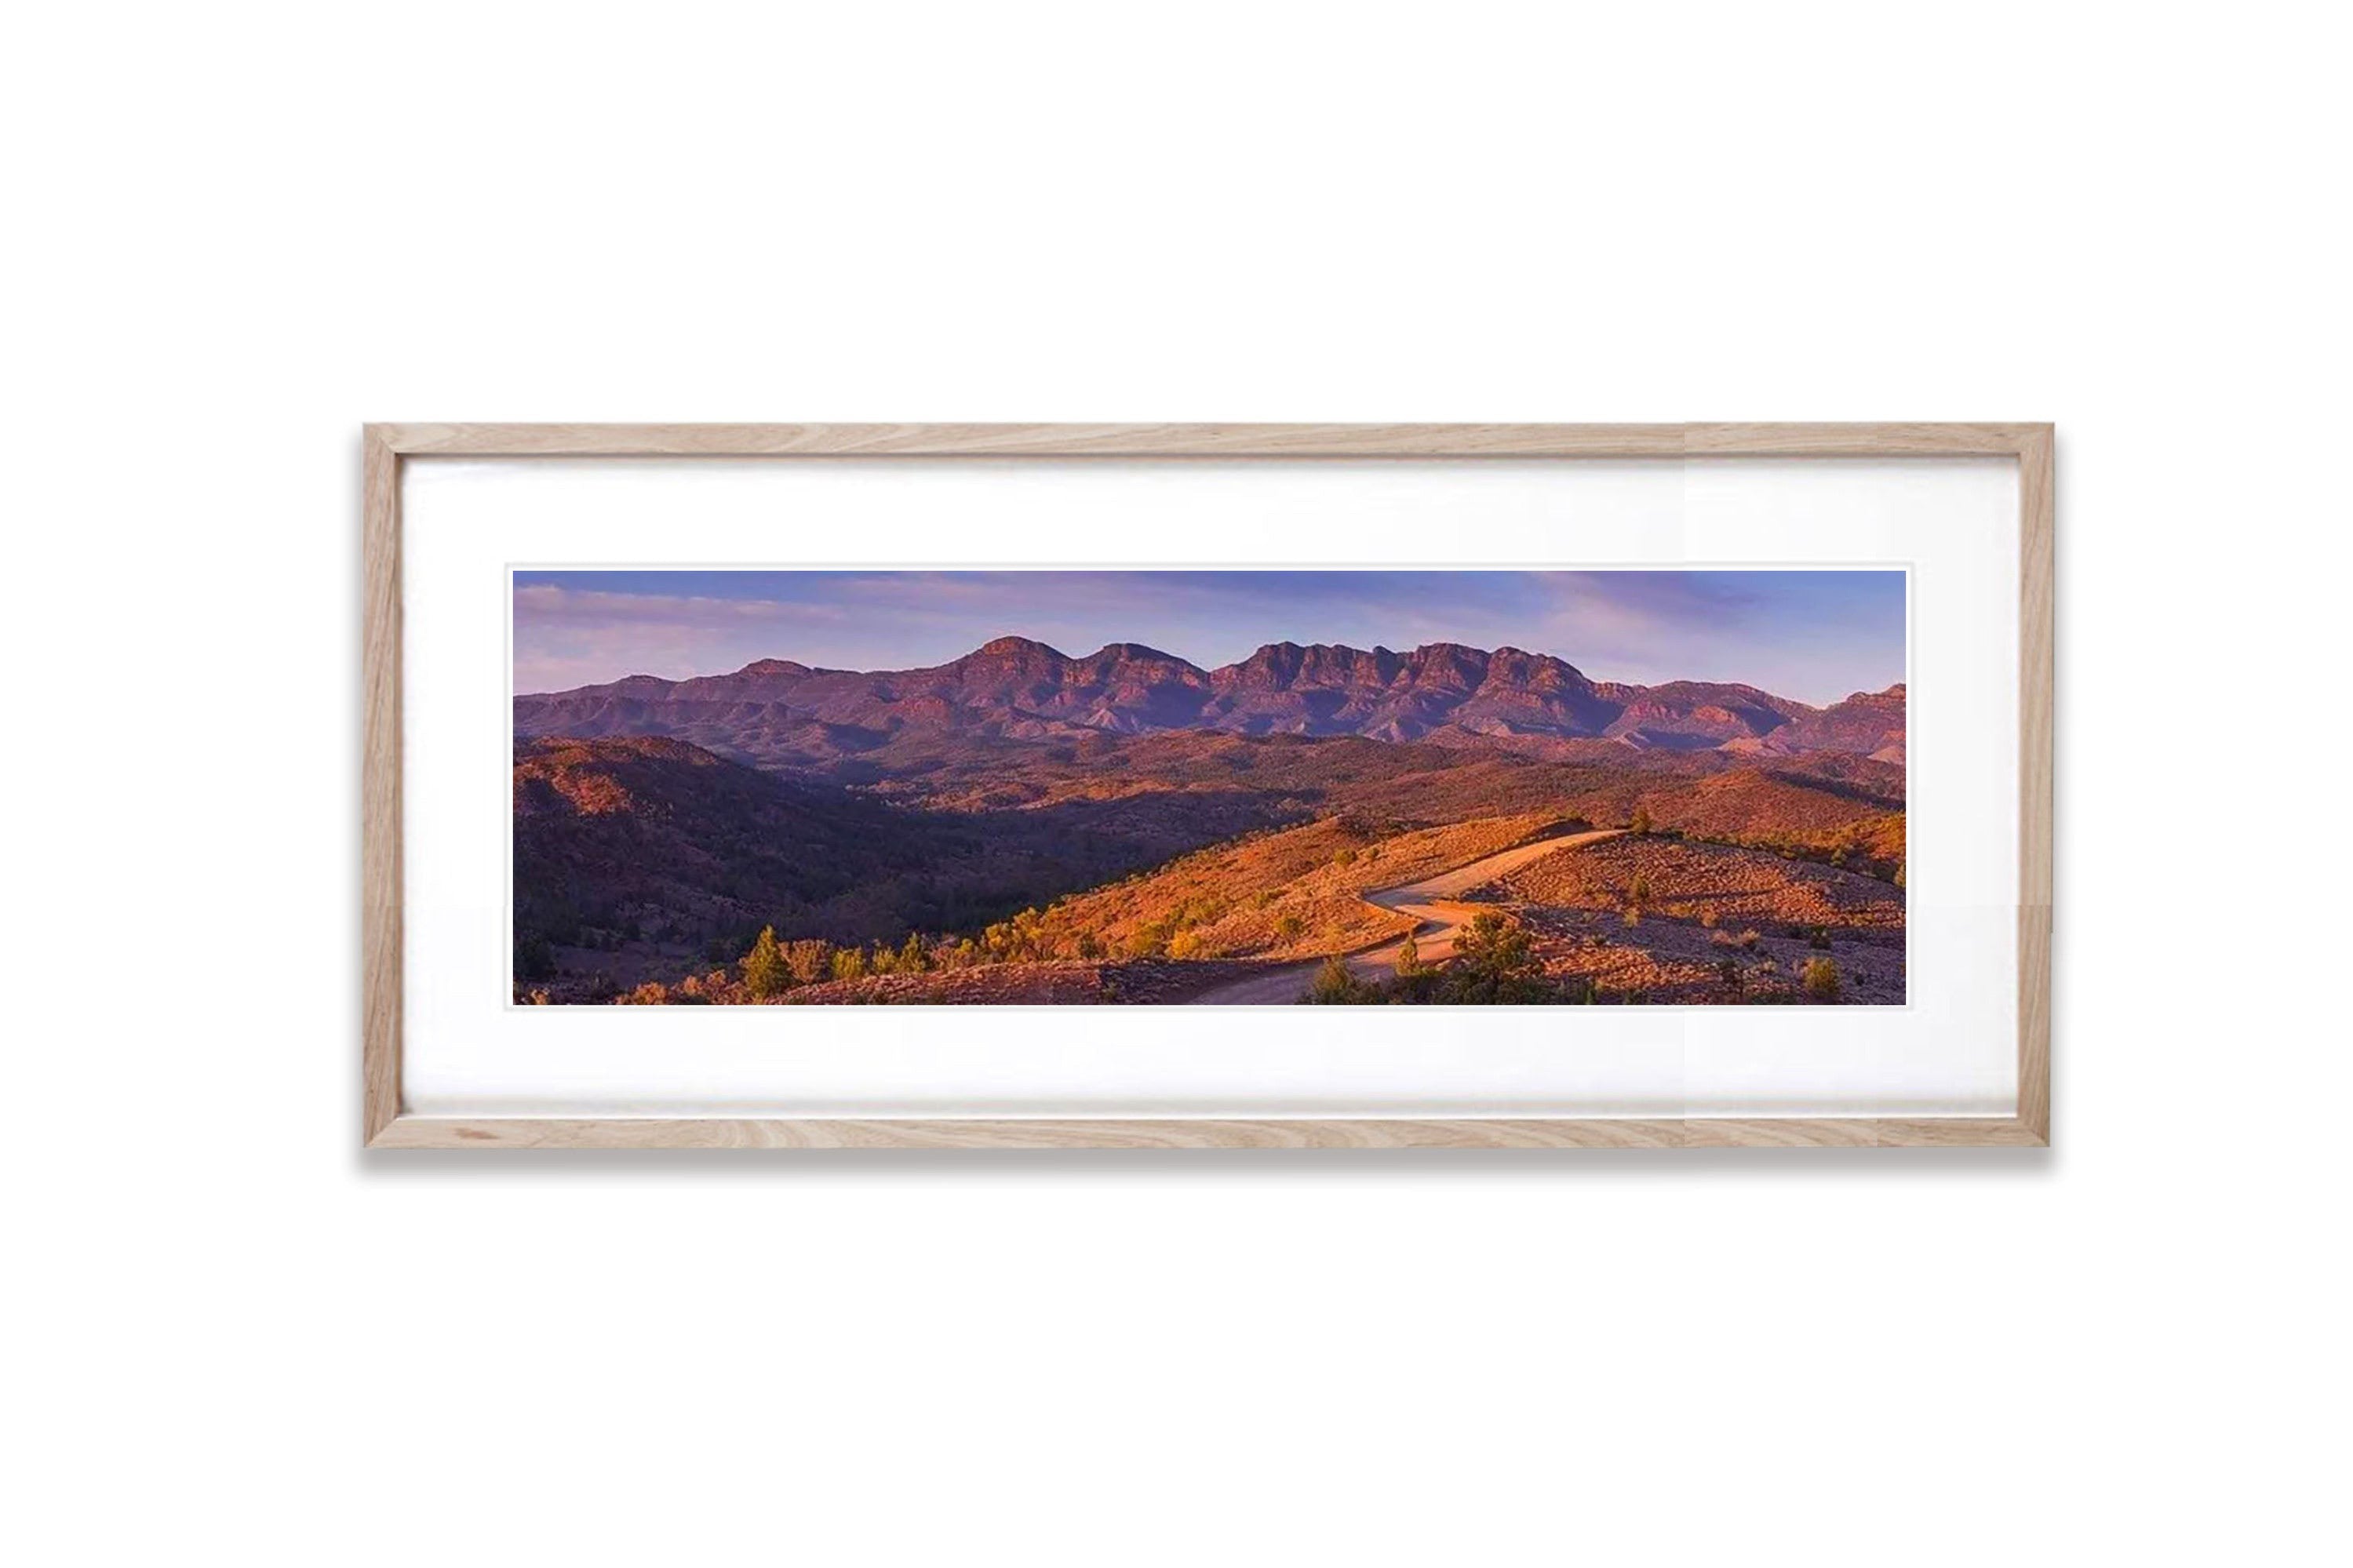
1811 634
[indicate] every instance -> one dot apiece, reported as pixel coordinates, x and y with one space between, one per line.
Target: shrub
1641 820
1821 979
1335 986
1496 962
1495 944
1708 917
1641 892
1633 914
849 963
533 958
1288 928
1408 958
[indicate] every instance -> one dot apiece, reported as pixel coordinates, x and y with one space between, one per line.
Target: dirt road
1439 919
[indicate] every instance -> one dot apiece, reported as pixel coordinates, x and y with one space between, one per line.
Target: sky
1812 635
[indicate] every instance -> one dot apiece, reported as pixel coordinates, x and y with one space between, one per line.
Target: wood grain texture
1623 441
1857 440
1664 441
387 446
499 1133
2037 768
380 865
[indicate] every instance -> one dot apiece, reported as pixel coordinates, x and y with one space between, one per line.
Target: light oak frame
386 447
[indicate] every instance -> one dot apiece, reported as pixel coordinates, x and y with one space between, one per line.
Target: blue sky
1814 635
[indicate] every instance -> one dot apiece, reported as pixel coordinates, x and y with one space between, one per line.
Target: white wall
242 230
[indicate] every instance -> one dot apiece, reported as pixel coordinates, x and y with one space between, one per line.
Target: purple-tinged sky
1812 635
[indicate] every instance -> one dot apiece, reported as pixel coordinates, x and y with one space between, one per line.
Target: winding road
1439 917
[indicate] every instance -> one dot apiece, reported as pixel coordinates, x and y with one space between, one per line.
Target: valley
1021 827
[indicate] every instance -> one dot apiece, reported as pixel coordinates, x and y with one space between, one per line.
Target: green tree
1496 961
849 963
1495 943
1333 985
766 974
1408 958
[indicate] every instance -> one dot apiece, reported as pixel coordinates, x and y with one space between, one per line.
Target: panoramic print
1378 788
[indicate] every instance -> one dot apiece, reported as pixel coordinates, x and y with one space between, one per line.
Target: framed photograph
1026 787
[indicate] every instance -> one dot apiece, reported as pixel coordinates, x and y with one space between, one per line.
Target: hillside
642 858
1869 723
654 839
1855 819
632 853
1667 920
1292 894
1730 887
1017 808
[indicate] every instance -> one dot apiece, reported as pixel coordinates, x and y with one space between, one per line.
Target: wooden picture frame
385 1125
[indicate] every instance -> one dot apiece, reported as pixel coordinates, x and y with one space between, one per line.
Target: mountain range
777 710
